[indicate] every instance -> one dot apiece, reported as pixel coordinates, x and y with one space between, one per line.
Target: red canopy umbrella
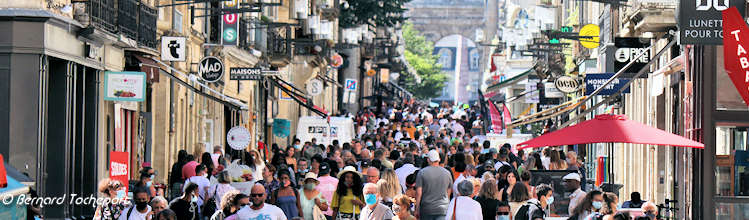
610 129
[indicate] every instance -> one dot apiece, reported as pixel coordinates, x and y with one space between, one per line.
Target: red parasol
609 129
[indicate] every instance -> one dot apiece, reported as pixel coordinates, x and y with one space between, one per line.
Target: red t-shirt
188 170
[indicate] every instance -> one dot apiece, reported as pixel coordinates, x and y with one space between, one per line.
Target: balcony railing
130 18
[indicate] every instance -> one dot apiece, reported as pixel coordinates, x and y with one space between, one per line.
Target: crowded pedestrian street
374 110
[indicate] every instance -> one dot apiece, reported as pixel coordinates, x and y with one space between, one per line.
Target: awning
297 95
401 89
508 82
549 113
149 67
223 99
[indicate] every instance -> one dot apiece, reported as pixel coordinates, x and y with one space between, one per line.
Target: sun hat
348 169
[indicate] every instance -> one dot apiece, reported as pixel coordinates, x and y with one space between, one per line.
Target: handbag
209 206
317 213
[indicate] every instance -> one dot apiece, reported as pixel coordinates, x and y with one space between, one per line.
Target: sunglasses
256 195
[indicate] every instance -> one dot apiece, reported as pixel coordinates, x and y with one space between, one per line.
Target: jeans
432 217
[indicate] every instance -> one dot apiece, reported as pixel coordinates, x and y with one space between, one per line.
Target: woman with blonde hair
476 186
556 161
401 207
112 207
488 197
389 186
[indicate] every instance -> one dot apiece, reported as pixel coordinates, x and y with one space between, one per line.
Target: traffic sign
351 84
336 60
314 87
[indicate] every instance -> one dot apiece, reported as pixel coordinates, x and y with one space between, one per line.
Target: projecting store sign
700 21
595 81
230 24
628 49
211 69
125 86
736 57
245 74
567 84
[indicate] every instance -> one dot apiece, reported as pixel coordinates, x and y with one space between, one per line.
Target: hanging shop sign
211 69
238 138
531 87
589 36
384 75
700 20
336 61
629 48
125 86
173 48
736 58
567 84
119 167
281 127
230 24
551 91
594 81
314 87
245 74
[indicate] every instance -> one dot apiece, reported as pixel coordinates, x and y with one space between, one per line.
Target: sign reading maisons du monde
700 21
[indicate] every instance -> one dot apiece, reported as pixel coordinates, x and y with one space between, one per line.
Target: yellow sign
283 95
371 72
384 75
589 36
231 3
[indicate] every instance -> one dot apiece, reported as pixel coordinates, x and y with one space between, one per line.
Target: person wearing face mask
467 208
139 209
145 182
116 193
572 183
402 207
536 208
348 198
650 210
301 170
591 203
286 197
186 206
201 179
258 208
374 209
311 198
230 204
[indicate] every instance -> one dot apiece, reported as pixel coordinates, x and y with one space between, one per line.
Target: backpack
523 212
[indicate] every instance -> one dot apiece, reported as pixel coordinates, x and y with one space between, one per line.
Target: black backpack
523 212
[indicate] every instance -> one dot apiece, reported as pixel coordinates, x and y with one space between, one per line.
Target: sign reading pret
245 74
211 69
567 84
118 167
735 56
173 48
594 81
314 87
629 48
230 24
125 86
238 138
700 20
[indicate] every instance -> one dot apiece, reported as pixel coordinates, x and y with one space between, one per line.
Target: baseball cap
433 156
572 176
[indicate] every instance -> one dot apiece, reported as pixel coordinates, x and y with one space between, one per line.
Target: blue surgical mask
369 144
549 200
153 176
503 217
597 204
149 183
298 147
370 199
121 193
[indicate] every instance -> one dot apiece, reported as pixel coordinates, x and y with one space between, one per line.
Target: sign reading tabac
735 44
700 20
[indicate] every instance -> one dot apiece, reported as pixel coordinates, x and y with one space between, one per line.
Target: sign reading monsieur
594 81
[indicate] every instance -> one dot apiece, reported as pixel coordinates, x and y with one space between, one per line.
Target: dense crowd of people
407 162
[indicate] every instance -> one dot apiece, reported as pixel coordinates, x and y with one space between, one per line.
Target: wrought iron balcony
147 26
130 18
103 14
127 18
279 49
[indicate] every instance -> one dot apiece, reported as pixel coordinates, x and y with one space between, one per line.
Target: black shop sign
701 21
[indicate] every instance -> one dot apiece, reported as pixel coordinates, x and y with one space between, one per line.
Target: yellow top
346 206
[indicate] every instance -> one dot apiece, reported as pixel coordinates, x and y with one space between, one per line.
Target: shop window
731 211
732 161
446 58
727 97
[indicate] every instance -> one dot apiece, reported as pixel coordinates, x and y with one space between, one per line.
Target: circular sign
230 18
211 69
314 87
230 35
336 60
589 36
238 138
567 84
371 72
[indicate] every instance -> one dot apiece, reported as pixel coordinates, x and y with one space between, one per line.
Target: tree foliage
381 13
430 79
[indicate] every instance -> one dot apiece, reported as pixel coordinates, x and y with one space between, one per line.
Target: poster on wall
119 167
125 86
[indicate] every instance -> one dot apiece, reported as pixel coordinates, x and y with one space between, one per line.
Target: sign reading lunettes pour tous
700 21
567 84
245 74
628 49
211 69
238 138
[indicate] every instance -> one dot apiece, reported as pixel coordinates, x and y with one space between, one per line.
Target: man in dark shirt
186 206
